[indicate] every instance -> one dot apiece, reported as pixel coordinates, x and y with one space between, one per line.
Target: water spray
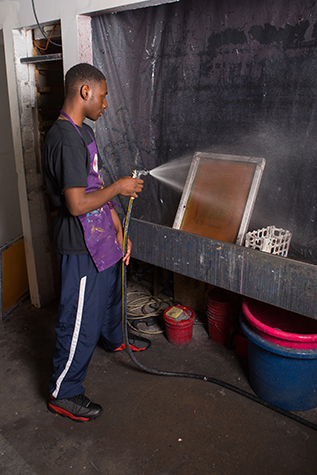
137 174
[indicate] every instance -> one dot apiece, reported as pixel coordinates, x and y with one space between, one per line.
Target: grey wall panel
234 77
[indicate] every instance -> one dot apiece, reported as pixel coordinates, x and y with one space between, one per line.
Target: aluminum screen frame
199 157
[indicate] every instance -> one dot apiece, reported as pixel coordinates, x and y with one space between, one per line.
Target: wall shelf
43 58
279 281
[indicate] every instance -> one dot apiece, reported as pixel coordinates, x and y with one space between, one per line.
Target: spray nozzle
138 173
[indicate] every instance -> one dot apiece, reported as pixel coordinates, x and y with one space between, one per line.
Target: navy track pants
90 309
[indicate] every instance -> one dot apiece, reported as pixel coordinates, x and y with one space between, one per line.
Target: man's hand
126 258
130 186
119 233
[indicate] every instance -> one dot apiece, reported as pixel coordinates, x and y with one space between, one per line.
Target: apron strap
73 123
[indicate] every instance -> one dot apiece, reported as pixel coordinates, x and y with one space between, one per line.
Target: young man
88 241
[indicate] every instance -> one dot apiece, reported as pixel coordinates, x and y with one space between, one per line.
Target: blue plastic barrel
285 377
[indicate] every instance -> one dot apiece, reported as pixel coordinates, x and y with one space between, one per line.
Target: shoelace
80 399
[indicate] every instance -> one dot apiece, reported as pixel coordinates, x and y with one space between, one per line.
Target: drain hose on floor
188 375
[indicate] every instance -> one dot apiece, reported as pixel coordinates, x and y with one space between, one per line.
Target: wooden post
30 180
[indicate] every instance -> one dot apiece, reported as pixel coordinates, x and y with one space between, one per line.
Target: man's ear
84 92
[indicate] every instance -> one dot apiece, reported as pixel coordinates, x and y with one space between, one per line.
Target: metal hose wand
138 173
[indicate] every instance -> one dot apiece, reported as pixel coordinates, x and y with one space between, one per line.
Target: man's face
97 103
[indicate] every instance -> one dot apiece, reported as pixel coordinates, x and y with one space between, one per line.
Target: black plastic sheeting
235 77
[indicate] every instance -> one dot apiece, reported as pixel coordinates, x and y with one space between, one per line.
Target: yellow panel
15 280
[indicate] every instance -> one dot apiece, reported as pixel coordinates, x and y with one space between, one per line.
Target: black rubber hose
223 384
41 29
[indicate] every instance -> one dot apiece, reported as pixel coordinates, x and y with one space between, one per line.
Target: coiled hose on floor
188 375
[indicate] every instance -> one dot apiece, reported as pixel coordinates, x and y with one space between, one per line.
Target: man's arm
79 202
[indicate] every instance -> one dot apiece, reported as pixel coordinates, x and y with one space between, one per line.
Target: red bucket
179 321
222 314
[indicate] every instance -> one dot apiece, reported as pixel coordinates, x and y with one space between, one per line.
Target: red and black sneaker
136 343
78 408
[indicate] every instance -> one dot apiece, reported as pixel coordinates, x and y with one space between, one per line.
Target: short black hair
82 73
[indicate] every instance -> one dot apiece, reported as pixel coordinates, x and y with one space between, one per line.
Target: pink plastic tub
280 326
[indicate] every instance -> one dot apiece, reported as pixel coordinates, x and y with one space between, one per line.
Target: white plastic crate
271 239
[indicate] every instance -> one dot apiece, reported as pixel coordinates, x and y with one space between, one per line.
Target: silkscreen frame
240 194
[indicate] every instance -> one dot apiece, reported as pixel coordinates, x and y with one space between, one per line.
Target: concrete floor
151 424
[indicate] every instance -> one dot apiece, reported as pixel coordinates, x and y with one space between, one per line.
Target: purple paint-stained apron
99 231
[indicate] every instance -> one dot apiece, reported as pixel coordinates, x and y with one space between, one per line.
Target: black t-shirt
66 164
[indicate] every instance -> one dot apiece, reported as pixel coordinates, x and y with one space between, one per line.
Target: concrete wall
10 220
